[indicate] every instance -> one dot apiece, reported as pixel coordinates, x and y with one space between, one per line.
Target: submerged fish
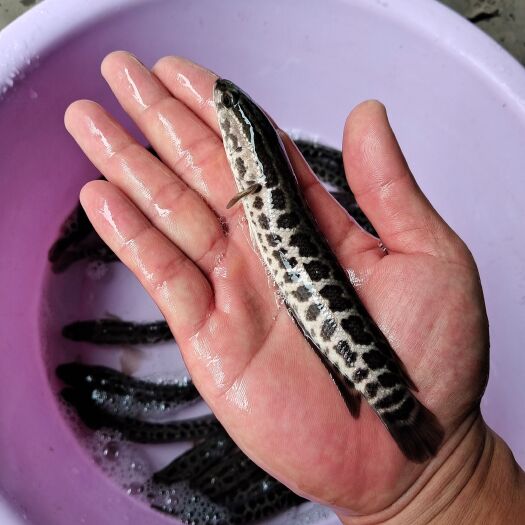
96 417
119 394
197 460
317 290
117 332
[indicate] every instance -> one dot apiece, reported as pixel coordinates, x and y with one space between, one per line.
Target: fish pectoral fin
350 395
254 188
353 401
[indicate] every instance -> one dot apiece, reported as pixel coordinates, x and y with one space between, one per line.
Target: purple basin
455 98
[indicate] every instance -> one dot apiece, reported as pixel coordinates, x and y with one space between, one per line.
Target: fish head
250 138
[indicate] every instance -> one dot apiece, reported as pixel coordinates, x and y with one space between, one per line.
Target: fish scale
316 289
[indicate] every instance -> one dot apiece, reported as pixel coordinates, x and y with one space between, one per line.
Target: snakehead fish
317 290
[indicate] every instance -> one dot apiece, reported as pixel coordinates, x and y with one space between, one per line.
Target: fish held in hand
317 290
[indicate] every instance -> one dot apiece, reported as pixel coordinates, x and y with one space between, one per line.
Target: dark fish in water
197 460
116 332
226 476
75 228
136 430
259 499
78 240
317 290
122 395
326 163
221 485
190 507
93 250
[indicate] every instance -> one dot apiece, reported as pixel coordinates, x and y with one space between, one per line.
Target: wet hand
167 220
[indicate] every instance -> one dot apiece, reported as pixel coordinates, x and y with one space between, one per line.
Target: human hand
246 356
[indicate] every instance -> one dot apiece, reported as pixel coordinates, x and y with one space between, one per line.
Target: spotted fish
317 290
95 416
121 395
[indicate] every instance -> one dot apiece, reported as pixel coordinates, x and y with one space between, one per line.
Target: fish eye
229 99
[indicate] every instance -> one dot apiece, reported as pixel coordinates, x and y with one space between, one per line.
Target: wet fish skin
226 476
260 499
197 460
136 430
75 228
123 395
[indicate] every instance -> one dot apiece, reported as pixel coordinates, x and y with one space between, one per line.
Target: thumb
385 189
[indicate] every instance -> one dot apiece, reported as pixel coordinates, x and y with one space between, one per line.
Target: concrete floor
504 20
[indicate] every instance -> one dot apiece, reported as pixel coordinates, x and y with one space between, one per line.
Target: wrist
474 479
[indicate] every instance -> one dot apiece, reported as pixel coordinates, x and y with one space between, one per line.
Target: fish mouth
225 94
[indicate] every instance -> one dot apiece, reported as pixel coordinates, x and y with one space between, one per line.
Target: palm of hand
244 352
279 403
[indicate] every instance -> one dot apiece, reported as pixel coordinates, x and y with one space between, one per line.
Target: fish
235 491
117 332
136 430
227 476
188 506
317 290
259 498
197 460
75 228
123 395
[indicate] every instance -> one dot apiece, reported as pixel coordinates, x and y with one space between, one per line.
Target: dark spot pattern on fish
317 270
354 326
306 247
288 220
278 199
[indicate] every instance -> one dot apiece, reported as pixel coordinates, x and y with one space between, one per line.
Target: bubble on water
123 462
96 270
189 505
135 466
111 450
308 514
134 488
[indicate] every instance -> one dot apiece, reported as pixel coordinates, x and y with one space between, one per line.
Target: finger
385 189
173 281
192 84
184 142
176 210
351 244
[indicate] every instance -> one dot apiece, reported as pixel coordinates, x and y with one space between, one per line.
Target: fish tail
419 435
